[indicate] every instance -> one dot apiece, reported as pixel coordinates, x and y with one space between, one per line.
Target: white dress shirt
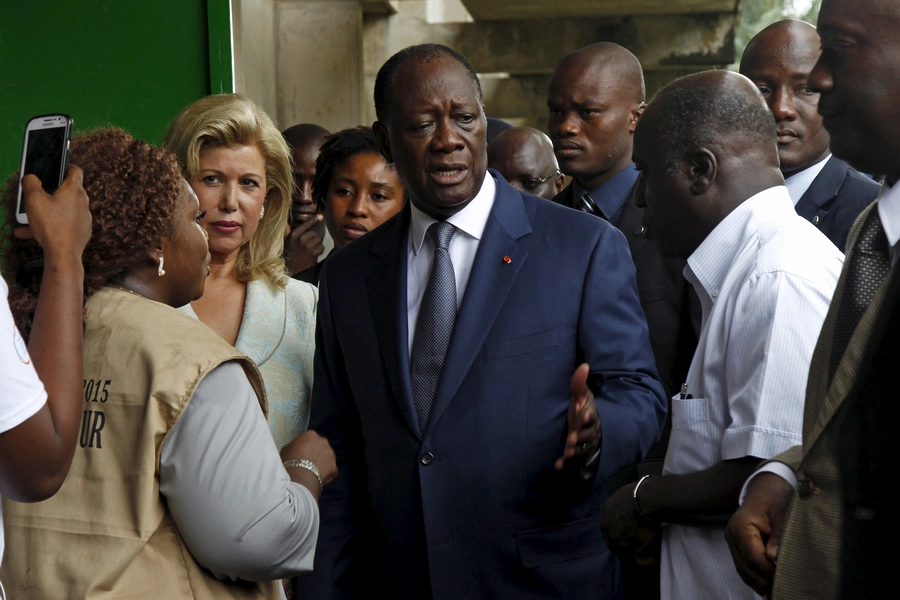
889 213
469 223
798 183
765 277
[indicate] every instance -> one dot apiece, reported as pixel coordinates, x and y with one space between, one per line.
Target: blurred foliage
756 15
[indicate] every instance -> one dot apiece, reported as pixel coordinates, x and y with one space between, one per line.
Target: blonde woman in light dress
238 164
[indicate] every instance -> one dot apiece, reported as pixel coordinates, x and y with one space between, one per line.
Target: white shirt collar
798 183
713 257
889 212
471 220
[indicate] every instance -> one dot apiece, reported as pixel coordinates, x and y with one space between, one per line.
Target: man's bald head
704 144
595 97
524 156
778 60
791 36
719 110
305 140
305 134
607 60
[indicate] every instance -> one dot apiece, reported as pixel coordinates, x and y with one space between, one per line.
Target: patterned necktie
437 315
869 263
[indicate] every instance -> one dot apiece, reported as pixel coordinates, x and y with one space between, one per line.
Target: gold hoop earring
160 271
262 211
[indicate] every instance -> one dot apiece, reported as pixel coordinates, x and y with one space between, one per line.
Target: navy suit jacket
474 508
835 198
670 304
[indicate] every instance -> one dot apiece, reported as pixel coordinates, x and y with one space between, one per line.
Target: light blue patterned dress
278 332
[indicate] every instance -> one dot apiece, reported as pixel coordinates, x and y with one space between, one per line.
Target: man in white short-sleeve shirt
714 194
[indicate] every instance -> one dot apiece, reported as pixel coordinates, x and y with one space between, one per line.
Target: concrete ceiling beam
534 47
490 10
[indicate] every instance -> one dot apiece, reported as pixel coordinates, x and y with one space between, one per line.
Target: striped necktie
588 205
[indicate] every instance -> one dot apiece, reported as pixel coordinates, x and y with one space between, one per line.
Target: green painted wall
130 63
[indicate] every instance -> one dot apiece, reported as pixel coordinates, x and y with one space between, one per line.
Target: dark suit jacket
669 302
473 508
310 275
835 198
845 501
868 459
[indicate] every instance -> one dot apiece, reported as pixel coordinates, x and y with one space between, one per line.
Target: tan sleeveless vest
108 533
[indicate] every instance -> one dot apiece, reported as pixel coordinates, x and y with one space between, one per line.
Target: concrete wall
301 60
319 62
516 57
316 60
253 31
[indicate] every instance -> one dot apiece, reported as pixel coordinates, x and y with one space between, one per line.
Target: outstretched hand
583 439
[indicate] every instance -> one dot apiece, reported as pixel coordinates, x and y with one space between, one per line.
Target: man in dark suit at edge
819 522
826 191
474 466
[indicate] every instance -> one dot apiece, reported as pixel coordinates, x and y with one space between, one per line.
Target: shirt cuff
779 468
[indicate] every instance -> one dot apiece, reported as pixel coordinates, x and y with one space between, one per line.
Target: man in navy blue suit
826 191
482 366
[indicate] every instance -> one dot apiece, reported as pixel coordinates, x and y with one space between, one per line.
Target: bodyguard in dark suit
835 198
828 527
669 303
595 98
826 191
473 452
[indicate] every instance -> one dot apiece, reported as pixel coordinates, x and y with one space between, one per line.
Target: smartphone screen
44 154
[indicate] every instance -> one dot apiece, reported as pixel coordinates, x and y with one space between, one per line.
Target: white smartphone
45 154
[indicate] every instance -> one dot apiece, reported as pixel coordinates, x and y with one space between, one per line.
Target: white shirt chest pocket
691 446
688 412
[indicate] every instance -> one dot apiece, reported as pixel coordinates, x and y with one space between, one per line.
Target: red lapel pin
507 259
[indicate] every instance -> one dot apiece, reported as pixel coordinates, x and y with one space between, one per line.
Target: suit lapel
565 197
272 320
490 281
386 284
860 348
822 190
630 225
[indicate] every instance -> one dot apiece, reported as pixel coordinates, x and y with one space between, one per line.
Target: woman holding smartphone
175 490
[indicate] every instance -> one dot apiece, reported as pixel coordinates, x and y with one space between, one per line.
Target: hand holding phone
45 154
60 223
